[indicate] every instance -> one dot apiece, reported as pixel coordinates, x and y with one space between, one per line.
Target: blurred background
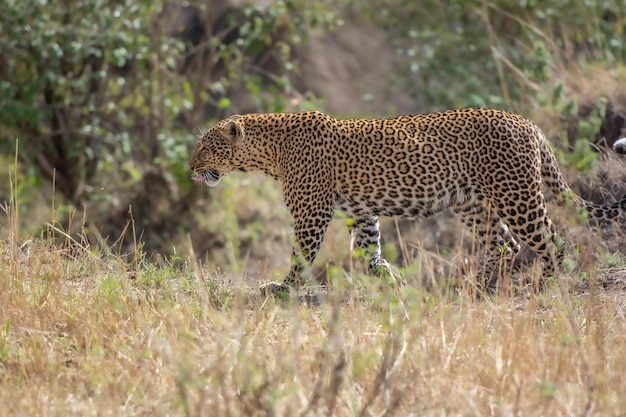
102 100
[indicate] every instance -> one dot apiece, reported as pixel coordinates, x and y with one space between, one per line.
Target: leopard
489 166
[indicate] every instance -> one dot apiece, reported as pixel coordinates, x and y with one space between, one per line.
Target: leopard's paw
275 289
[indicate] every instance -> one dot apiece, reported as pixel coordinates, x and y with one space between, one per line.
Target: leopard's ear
233 131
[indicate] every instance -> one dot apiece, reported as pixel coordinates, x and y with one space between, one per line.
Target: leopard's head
215 152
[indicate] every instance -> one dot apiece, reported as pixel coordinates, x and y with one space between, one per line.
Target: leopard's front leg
365 234
312 214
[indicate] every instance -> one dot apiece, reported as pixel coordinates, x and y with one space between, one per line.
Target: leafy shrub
104 97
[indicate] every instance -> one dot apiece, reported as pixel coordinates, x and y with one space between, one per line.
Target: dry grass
88 334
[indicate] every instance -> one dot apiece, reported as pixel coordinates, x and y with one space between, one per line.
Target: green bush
495 53
104 98
88 86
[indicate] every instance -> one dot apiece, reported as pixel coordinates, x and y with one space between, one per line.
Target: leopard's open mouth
210 178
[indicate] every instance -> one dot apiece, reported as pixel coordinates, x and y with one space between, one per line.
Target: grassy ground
84 333
87 332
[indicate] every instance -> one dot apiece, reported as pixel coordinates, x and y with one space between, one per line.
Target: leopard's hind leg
493 236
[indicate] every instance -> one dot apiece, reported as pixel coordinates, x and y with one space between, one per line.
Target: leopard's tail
553 179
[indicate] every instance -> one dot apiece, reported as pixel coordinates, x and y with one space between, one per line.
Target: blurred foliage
104 97
79 84
495 53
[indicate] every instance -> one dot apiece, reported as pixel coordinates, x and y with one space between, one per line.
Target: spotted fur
488 166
